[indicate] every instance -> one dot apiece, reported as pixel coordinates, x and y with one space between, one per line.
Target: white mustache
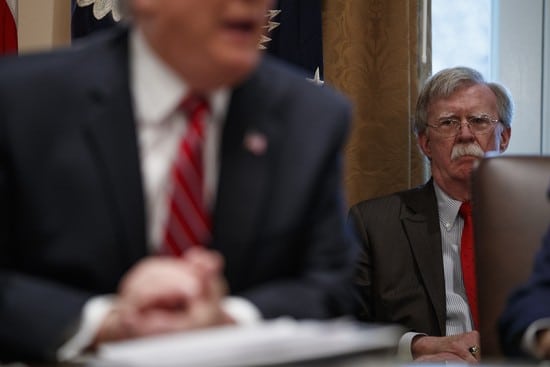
462 150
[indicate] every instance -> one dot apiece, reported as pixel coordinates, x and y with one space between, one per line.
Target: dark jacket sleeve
527 304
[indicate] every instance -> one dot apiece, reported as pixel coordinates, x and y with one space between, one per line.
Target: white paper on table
277 341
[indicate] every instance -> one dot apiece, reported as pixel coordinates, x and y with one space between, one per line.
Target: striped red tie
467 260
188 221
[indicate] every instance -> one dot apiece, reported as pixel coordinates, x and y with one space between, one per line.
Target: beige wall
43 24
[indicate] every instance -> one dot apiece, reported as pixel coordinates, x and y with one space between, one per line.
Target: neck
458 190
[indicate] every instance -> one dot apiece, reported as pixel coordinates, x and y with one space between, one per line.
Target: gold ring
474 350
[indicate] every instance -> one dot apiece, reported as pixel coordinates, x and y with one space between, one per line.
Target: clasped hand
454 348
165 294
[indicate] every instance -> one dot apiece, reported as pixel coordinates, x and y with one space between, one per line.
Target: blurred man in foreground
172 133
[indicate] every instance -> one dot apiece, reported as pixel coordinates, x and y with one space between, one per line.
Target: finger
475 351
457 345
216 288
204 260
161 284
156 321
466 355
198 315
207 266
163 292
471 341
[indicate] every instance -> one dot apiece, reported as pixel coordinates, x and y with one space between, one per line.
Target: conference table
278 343
358 360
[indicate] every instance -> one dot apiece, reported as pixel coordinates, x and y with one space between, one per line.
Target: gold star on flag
316 78
270 26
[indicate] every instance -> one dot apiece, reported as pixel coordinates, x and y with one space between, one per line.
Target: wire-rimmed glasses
478 125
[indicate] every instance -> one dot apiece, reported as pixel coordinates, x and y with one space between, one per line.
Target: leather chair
511 212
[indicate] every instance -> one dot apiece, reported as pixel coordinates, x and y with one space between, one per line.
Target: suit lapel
245 167
110 132
422 228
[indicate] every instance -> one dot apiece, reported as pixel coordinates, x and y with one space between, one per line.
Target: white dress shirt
458 318
156 95
529 339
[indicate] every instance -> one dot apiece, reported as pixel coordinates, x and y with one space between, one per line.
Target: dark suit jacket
72 218
401 278
527 304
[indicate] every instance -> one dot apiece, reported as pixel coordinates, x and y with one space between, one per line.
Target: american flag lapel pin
255 142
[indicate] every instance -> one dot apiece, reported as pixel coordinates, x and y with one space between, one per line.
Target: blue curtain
299 39
83 21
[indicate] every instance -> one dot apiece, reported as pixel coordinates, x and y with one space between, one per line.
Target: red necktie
467 260
188 221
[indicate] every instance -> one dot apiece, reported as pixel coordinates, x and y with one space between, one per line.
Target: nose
465 130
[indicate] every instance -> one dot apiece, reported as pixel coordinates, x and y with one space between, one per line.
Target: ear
504 139
424 144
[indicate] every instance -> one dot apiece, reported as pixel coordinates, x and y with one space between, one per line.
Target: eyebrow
452 114
446 116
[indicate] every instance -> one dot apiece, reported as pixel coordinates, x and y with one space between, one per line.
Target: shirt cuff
529 341
94 312
404 350
241 310
96 309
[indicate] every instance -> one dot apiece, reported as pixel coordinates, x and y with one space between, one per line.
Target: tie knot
465 209
194 105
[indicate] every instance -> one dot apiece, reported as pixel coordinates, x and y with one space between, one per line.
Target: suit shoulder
393 200
374 204
55 65
15 67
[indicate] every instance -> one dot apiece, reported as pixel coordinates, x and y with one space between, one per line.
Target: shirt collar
157 89
448 207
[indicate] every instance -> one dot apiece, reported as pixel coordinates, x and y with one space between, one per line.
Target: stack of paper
272 342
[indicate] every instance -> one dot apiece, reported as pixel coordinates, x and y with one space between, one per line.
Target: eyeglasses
479 125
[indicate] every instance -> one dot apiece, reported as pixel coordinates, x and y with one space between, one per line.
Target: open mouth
243 26
245 29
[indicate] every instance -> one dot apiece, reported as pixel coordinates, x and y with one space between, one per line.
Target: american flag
8 26
89 16
293 32
298 38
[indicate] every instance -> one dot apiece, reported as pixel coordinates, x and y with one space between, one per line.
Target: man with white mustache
462 150
410 268
180 180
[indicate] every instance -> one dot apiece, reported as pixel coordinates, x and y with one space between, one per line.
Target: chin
238 66
464 164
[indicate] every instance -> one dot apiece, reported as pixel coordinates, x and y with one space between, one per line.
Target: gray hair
447 81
